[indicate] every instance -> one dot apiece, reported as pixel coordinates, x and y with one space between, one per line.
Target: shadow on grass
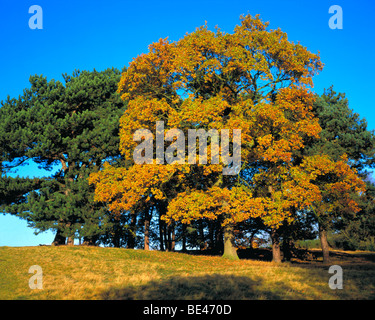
370 257
256 254
206 287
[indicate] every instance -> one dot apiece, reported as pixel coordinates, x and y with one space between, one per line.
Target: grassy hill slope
109 273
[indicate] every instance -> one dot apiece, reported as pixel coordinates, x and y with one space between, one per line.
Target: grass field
109 273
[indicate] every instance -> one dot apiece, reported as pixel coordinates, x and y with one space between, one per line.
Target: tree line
304 157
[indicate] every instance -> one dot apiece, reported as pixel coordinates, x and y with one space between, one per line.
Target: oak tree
255 80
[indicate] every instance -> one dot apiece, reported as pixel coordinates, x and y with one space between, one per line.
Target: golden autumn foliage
337 182
123 188
253 79
316 182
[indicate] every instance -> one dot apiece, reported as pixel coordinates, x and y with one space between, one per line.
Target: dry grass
110 273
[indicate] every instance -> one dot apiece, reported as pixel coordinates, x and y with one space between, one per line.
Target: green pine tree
72 126
343 132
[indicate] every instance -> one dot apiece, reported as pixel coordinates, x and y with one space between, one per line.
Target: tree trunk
133 224
276 253
324 243
287 242
211 238
161 236
70 241
147 232
287 248
219 244
166 237
230 251
89 241
183 237
201 236
173 243
59 239
116 237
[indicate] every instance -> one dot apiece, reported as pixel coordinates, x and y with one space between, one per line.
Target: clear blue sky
85 35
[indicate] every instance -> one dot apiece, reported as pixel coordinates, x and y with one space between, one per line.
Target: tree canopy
204 141
255 80
73 126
